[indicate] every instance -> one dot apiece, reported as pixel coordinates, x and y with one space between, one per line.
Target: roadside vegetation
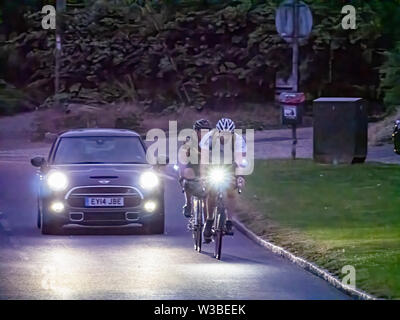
168 55
133 117
331 215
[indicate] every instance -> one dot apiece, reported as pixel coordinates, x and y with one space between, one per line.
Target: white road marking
21 154
14 161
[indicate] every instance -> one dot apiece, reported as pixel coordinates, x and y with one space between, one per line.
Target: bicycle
218 229
196 221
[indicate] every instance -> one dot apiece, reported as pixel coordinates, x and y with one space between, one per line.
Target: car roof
99 132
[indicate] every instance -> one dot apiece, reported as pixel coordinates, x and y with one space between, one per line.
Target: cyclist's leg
205 209
188 173
230 194
228 223
187 208
210 206
211 203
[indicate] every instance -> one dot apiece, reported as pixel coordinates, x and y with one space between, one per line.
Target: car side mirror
38 162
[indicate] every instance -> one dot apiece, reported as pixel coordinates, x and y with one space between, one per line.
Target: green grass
332 215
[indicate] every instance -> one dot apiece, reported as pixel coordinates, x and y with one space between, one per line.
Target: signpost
60 7
293 22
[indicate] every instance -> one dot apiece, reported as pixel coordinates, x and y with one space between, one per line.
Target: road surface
33 266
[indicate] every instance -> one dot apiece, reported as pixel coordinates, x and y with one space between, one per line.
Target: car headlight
218 176
57 181
149 180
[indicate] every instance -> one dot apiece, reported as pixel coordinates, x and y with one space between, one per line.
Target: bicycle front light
149 180
218 176
57 181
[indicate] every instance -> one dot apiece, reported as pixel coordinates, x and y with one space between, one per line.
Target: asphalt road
33 266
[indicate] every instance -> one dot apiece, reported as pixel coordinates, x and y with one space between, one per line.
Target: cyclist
225 131
190 171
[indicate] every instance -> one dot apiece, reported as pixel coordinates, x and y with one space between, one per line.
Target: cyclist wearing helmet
225 130
191 171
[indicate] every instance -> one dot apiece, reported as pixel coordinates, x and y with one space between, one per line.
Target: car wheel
38 220
157 226
49 226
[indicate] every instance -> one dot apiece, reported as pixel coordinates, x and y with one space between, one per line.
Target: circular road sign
284 20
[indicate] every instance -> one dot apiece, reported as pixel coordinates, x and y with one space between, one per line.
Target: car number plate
104 202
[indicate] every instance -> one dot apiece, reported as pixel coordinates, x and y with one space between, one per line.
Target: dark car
96 178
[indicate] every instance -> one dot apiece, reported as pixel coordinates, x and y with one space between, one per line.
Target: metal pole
60 7
294 143
295 66
295 47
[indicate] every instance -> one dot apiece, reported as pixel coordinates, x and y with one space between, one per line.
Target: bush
12 100
390 73
197 54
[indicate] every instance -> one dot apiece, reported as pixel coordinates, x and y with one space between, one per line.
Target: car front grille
99 190
104 216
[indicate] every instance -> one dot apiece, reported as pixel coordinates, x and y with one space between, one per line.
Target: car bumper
119 217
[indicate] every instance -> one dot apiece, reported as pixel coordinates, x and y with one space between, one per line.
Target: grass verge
331 215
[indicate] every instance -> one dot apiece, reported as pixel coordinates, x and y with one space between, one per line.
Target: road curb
306 265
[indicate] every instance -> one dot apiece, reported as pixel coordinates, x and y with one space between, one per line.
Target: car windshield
91 150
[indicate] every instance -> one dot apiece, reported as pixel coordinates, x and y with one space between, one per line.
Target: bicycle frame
219 223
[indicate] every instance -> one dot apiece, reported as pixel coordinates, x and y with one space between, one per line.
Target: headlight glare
150 206
57 207
57 181
149 180
218 176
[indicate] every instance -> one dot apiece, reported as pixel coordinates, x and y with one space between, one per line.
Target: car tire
49 226
38 220
158 225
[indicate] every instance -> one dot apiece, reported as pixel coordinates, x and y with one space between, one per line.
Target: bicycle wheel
218 232
199 224
194 223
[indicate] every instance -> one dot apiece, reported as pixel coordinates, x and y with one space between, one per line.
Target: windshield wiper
88 162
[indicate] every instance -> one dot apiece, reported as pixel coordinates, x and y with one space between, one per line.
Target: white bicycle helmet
226 124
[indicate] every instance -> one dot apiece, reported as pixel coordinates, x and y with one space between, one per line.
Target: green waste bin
340 130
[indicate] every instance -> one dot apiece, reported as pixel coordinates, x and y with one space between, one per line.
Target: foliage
390 73
165 54
12 100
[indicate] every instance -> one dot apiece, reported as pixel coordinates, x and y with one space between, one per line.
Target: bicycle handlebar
204 180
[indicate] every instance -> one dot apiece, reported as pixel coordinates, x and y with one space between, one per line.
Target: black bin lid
337 99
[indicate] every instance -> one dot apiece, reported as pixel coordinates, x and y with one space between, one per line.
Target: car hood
106 175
